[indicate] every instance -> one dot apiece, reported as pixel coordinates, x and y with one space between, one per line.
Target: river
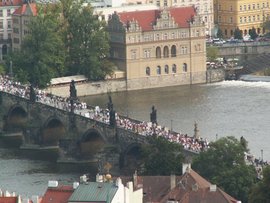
229 108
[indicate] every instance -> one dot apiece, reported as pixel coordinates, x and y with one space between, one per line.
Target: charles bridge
80 139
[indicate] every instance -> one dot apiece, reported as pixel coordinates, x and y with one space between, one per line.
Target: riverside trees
64 39
224 164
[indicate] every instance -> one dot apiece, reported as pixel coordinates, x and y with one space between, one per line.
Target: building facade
204 8
244 14
6 10
158 48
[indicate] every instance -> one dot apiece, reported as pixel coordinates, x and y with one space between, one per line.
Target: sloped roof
94 192
57 195
158 189
185 191
146 19
8 199
32 7
11 3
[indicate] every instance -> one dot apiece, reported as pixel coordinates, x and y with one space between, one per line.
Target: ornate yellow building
244 14
157 48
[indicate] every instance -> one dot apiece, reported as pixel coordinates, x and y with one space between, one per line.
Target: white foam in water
239 83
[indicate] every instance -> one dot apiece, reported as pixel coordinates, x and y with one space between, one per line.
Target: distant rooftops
147 18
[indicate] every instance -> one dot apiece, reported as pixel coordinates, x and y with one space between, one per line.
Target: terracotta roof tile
8 199
59 194
11 3
146 19
22 10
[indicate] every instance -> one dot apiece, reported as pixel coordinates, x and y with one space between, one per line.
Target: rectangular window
1 25
1 13
8 12
133 54
16 30
240 20
9 35
9 24
16 40
1 36
15 21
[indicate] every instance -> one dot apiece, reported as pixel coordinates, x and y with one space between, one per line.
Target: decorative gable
165 21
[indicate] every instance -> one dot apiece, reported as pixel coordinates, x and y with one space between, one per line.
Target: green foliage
223 164
266 25
219 33
162 157
260 191
42 53
88 43
238 34
253 34
63 39
211 53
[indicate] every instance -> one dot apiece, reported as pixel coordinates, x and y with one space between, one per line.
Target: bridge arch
16 119
91 142
130 158
52 131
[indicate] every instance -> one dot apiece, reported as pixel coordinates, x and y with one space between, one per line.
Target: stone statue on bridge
153 115
110 104
111 112
32 93
196 131
72 90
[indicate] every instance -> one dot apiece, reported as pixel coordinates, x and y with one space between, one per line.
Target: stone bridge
78 138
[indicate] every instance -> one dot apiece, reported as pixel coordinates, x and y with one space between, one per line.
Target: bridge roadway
80 136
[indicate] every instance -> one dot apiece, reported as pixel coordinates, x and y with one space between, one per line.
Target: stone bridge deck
84 134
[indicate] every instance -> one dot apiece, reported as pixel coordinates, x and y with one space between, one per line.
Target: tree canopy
64 39
260 191
237 34
88 43
211 53
162 157
224 164
42 52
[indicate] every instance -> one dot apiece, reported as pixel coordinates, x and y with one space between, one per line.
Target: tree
238 34
260 191
253 34
211 53
266 25
42 53
219 33
162 157
87 42
224 164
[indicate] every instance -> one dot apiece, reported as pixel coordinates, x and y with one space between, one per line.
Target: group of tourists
103 115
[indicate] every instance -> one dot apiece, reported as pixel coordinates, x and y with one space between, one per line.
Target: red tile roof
146 19
22 10
11 3
59 194
8 199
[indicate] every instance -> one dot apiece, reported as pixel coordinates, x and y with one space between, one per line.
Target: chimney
75 185
213 188
173 181
135 179
186 168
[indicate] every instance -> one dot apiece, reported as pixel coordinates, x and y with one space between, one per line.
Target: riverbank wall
119 85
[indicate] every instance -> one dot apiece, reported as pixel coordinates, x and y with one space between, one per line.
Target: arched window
147 71
166 69
174 68
184 67
173 51
158 70
158 52
166 52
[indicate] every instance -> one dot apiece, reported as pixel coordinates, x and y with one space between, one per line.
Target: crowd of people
103 115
